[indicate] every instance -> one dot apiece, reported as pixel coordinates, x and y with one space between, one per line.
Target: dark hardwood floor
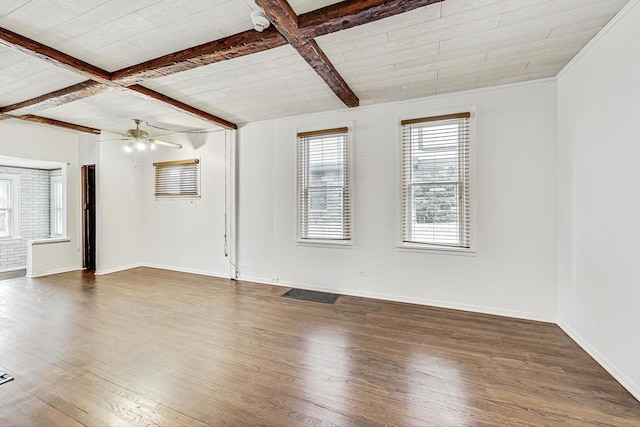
151 347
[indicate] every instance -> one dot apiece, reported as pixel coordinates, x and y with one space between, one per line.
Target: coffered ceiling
200 64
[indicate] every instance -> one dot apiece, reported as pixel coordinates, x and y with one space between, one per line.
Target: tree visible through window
323 185
435 177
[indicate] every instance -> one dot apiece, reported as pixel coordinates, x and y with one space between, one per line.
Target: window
56 205
179 178
435 180
9 206
323 185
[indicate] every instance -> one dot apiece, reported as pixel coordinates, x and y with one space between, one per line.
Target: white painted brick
34 213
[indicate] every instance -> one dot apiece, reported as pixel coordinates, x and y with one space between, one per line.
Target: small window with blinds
324 210
180 178
436 209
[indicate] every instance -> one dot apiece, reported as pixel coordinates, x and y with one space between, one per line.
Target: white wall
187 234
118 208
599 206
28 141
514 270
180 234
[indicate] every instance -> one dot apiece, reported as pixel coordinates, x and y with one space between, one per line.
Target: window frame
406 246
14 207
54 210
178 165
347 187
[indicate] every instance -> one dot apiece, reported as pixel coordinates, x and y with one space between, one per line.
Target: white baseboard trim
625 381
50 272
419 301
116 269
186 270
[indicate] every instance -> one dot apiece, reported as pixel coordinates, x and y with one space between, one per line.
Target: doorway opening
89 217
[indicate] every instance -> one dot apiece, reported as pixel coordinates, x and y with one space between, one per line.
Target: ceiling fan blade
165 143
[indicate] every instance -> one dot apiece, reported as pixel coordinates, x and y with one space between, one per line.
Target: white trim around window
177 179
324 187
9 207
57 207
436 195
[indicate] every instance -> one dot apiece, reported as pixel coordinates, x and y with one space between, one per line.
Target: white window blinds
435 178
179 178
324 205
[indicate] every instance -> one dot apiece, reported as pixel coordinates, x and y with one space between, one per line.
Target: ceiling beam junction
282 16
100 80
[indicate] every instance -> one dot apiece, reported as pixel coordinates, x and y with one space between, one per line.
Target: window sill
325 243
49 240
441 250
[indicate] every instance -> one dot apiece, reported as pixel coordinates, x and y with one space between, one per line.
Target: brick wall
34 214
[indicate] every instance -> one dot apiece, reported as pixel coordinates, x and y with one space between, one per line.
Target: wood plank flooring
151 347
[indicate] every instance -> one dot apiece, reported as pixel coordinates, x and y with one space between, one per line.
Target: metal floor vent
4 377
315 296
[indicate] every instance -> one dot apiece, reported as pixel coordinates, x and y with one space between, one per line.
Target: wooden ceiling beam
60 59
59 97
235 46
352 13
285 20
52 122
182 107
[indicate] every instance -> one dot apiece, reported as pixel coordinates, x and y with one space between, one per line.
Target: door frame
89 217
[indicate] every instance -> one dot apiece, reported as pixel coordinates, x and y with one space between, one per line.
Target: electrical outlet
275 279
362 273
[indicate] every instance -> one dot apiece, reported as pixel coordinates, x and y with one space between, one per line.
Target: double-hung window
436 209
9 203
324 203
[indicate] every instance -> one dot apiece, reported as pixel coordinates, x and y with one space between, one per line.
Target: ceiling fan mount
137 133
137 139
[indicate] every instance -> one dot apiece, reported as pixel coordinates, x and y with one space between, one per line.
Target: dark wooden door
89 217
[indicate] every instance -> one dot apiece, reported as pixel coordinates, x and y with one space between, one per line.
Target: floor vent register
316 296
4 377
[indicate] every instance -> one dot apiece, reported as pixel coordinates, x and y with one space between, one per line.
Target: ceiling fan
138 140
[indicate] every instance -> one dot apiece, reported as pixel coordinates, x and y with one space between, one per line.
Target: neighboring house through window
436 207
324 204
9 206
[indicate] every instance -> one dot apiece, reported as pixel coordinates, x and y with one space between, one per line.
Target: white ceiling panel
114 111
94 30
252 87
24 77
34 17
304 6
458 45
